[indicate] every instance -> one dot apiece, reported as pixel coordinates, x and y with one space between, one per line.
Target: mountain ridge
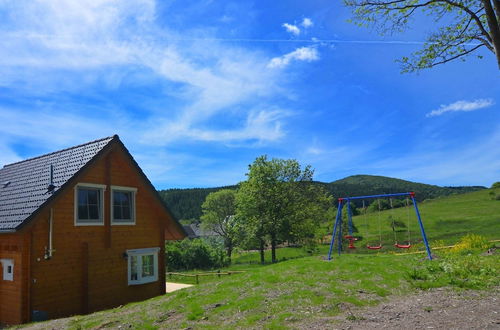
186 203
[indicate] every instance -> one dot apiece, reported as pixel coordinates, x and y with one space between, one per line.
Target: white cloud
461 106
307 54
307 22
63 56
293 29
88 40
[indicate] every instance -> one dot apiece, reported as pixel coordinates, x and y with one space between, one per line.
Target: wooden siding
88 271
14 294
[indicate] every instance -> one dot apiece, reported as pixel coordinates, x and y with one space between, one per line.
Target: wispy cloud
307 22
291 28
461 106
307 54
88 41
294 29
66 58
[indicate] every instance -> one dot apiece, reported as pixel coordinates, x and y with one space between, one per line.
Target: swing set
337 228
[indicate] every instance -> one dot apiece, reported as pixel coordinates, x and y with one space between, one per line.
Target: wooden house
81 229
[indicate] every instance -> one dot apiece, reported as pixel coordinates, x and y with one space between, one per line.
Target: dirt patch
434 309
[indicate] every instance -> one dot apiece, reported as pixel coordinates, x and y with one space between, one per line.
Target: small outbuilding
81 229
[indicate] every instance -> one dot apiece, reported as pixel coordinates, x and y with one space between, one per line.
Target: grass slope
306 289
445 219
291 293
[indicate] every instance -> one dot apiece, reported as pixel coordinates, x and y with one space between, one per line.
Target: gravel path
434 309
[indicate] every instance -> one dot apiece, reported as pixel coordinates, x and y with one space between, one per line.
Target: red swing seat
402 246
351 240
375 247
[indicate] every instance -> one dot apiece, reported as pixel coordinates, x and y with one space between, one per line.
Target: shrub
195 254
469 271
469 243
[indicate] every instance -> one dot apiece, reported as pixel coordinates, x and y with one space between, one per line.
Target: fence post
197 281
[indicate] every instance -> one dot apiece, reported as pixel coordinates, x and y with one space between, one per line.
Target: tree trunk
273 248
494 27
229 251
262 260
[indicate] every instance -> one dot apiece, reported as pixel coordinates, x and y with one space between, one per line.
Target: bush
469 243
469 271
195 254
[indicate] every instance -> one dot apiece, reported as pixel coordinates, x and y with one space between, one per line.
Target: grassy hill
445 219
358 185
309 290
186 203
292 294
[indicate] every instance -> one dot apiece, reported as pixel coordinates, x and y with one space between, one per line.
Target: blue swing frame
347 201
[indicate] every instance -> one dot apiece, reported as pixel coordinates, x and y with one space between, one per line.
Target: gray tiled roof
24 185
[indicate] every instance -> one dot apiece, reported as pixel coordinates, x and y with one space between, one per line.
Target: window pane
82 197
117 212
133 268
147 265
92 196
89 203
126 213
83 212
122 205
93 212
125 198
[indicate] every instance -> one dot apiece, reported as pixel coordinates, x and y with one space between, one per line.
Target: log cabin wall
88 270
14 293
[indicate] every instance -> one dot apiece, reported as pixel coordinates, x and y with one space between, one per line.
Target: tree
219 216
280 202
469 25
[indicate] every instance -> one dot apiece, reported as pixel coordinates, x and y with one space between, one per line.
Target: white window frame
102 187
7 264
133 192
139 253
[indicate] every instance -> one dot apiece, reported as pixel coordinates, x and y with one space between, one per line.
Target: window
142 266
8 269
123 205
89 204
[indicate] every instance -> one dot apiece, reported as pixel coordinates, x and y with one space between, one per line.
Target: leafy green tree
496 185
396 224
280 202
219 216
198 253
467 26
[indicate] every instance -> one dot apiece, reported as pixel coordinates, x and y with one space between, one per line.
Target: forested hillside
357 185
186 203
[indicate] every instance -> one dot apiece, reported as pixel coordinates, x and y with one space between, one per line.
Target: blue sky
198 89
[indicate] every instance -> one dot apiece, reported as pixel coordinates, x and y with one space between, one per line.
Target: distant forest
185 204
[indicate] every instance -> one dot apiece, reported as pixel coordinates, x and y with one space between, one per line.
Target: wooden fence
198 275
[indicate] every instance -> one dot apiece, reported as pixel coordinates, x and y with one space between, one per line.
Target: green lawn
445 220
303 288
294 291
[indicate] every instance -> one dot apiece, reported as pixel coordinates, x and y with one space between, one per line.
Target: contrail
249 40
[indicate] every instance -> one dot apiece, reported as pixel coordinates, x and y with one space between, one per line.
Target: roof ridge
115 136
